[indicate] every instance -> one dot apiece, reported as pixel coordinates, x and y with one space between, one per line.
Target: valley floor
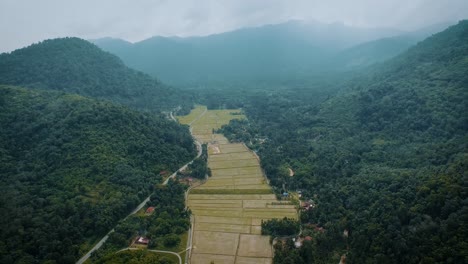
228 209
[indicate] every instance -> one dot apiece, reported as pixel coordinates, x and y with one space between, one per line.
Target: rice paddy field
228 209
202 123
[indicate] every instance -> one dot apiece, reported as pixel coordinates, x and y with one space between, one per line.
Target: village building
298 242
149 210
346 233
305 205
187 181
142 240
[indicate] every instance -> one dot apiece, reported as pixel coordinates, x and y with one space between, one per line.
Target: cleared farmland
228 209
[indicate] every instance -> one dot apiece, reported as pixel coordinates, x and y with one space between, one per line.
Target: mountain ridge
77 66
269 53
265 53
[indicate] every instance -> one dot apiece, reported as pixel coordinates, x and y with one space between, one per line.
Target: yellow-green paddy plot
229 208
194 114
202 123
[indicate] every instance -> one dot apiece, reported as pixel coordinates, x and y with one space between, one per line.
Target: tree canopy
72 167
76 66
385 158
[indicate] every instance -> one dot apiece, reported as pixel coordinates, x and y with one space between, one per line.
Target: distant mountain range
270 53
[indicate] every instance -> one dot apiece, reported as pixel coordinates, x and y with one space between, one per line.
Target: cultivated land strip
228 209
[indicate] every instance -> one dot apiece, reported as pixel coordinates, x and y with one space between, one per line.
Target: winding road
141 205
157 251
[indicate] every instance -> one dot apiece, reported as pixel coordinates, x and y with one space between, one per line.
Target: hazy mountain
112 43
77 66
271 52
368 53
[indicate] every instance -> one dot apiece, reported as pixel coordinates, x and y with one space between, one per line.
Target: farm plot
196 112
203 122
232 163
229 208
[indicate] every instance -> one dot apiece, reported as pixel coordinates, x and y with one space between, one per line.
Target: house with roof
149 210
142 240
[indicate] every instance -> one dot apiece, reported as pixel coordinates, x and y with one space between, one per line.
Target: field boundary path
228 209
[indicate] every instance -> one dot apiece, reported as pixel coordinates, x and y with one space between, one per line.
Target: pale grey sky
23 22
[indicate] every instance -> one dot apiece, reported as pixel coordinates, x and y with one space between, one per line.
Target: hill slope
72 167
386 159
76 66
268 53
368 53
288 53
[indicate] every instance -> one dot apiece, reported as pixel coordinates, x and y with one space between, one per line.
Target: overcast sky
23 22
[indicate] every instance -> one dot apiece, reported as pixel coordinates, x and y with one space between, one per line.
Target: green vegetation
381 153
73 166
76 66
280 227
386 158
286 252
199 168
171 218
139 257
164 227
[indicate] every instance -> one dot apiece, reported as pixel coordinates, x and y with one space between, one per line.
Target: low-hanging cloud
23 22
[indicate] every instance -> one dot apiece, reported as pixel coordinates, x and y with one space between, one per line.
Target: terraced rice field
229 207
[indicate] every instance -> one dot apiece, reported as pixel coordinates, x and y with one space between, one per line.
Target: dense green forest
72 167
380 150
138 257
76 66
280 227
163 228
199 167
386 158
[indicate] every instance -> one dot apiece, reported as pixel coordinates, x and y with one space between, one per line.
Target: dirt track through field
229 207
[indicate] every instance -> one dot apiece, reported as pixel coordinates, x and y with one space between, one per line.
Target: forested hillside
270 53
368 53
71 167
386 159
74 65
292 53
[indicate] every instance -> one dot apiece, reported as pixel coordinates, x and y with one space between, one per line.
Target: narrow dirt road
141 205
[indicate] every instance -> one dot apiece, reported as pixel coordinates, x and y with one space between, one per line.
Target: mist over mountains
269 53
370 122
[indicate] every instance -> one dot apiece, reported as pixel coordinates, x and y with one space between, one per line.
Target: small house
305 205
298 243
142 240
149 210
